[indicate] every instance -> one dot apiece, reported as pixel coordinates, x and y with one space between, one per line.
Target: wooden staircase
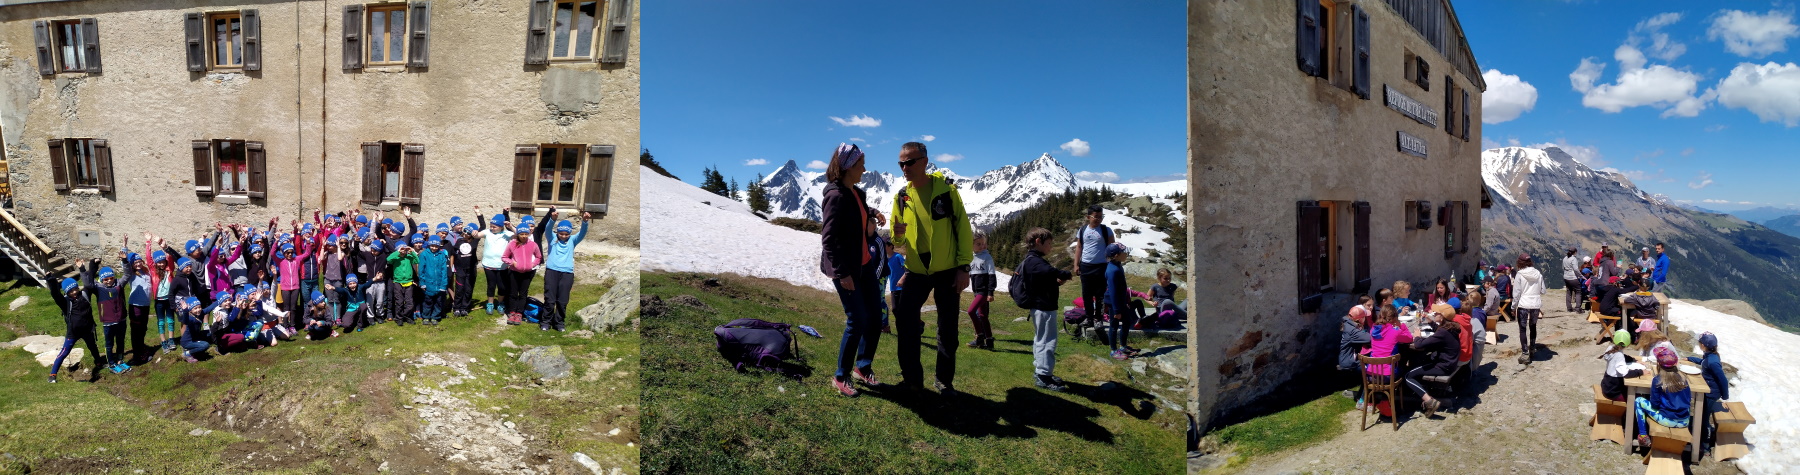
32 256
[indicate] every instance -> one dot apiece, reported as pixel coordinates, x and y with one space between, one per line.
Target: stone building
1334 148
122 116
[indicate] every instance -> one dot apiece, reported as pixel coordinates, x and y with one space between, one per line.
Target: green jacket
936 225
401 266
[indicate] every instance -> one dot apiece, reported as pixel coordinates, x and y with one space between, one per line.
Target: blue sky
731 83
1707 110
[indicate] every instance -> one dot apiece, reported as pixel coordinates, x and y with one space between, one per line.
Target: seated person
1439 353
1162 295
1609 297
1403 290
1385 335
1643 302
1353 338
1669 400
1714 372
1474 336
1618 367
1649 339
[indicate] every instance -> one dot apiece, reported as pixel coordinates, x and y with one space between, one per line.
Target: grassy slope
704 418
141 420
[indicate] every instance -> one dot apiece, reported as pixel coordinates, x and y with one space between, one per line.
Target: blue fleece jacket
561 257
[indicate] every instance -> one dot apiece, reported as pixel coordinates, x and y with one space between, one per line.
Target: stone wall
469 108
1263 136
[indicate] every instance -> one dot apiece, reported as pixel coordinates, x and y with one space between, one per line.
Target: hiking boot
1049 383
863 374
844 387
944 390
543 327
557 327
1431 407
1525 359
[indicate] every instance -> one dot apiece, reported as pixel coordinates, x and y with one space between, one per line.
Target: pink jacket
1382 347
522 256
290 267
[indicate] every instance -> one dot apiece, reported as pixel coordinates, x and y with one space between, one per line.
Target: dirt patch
459 432
78 465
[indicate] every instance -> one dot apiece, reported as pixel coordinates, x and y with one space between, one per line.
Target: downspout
299 125
324 38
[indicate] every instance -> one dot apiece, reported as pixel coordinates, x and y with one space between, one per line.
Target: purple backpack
753 342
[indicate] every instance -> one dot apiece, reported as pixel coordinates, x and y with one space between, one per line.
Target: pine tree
649 161
759 196
714 182
733 191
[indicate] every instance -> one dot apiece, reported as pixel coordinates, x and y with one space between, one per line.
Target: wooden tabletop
1695 382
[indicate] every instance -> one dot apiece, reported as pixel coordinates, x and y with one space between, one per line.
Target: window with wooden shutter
203 168
252 40
1462 209
59 169
90 44
1424 69
1309 257
225 40
1360 229
418 51
386 35
1360 81
1447 216
412 165
573 24
372 173
258 161
537 35
195 25
1465 115
599 179
1449 106
68 35
1306 37
45 55
353 54
103 165
618 31
1424 214
525 158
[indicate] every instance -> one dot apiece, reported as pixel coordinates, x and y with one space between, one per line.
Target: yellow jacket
936 225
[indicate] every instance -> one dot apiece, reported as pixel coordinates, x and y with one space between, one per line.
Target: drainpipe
324 38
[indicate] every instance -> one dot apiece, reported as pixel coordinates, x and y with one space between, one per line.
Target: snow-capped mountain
989 198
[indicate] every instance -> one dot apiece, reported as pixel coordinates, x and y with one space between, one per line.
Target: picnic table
1641 385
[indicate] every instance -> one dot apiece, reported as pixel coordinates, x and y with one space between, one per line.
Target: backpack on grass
752 342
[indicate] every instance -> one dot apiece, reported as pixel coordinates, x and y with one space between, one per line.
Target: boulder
18 302
547 361
1174 362
615 308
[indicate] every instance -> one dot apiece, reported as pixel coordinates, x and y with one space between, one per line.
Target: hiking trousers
948 298
556 296
978 316
464 289
1571 297
1528 318
375 302
114 337
138 319
1093 289
1043 341
498 284
87 336
862 322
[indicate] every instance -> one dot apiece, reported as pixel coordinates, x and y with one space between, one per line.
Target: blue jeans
196 348
862 322
69 344
433 306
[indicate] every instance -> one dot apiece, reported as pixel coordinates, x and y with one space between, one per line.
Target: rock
508 344
198 432
18 302
1174 362
1138 365
456 446
547 361
582 334
509 424
383 468
49 357
614 308
592 466
38 343
613 432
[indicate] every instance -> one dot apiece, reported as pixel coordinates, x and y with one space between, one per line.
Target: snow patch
1766 382
681 233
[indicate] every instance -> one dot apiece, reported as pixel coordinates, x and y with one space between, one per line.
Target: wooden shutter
524 175
372 179
598 190
1424 212
1306 237
259 162
1361 230
203 168
1465 115
1424 79
1446 216
618 31
537 35
59 168
412 174
1462 209
196 43
353 49
45 56
1306 40
1360 82
103 165
1449 106
90 43
252 39
418 47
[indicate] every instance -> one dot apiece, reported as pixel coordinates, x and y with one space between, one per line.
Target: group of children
239 288
1669 401
1453 329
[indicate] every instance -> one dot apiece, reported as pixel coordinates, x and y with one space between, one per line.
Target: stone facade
1265 136
469 106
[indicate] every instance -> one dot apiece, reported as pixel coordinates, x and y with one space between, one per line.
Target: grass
1300 426
337 405
703 417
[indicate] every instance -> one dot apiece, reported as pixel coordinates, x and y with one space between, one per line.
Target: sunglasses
908 163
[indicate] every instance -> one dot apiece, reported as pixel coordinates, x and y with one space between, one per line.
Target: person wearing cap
1528 297
559 268
1089 252
139 295
844 257
493 248
1441 352
351 297
292 257
522 258
930 224
1116 302
108 296
1714 373
434 279
1670 400
162 272
320 322
404 263
1571 274
335 261
78 320
194 335
1618 367
464 261
372 257
312 240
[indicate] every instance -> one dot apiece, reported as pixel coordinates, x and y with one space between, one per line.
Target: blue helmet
106 272
434 241
193 246
69 284
497 220
565 226
183 263
443 227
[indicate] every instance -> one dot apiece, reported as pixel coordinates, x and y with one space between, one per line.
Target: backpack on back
752 342
1016 286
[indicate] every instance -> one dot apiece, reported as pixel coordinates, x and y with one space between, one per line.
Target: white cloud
1661 46
927 138
1586 154
755 162
1746 202
1701 181
946 158
1158 178
1512 141
1102 177
857 121
858 139
1077 147
1507 97
1487 143
1751 35
1717 202
1715 128
1582 79
1771 91
816 164
1676 92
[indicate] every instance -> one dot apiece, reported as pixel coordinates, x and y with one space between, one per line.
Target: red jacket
1468 338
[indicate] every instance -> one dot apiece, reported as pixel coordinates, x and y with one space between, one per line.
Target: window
557 166
81 163
226 49
67 46
570 30
387 35
1327 13
390 172
574 37
1423 79
565 175
233 166
393 173
1450 99
230 168
1311 244
69 54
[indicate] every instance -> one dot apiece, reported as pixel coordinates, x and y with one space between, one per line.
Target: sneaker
863 374
543 327
1119 355
1132 351
1642 440
1431 407
52 378
944 390
557 327
1050 383
1525 359
490 308
1359 405
190 358
844 387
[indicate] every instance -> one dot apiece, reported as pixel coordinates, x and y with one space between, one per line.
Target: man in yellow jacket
929 221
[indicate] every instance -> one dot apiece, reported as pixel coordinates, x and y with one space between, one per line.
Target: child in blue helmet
404 263
434 279
463 262
493 246
372 260
78 320
352 296
559 269
109 298
195 338
139 295
320 323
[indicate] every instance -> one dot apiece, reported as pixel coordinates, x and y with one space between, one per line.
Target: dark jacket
843 231
1714 372
1351 342
109 300
78 311
1441 350
1609 300
1040 282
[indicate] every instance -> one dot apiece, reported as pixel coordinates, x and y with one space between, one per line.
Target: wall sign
1411 144
1411 108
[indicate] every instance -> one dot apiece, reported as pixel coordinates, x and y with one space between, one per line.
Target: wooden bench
1666 439
1664 463
1609 418
1731 425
